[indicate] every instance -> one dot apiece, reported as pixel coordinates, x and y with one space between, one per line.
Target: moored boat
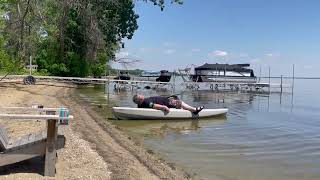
165 76
224 73
147 113
162 76
123 76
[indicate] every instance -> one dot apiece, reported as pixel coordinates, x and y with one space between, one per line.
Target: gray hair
135 99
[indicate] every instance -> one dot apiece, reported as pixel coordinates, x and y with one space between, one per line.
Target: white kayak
147 113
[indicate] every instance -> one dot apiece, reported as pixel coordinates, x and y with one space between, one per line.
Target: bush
78 66
59 69
98 69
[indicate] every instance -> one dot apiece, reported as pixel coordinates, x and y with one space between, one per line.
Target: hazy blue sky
275 33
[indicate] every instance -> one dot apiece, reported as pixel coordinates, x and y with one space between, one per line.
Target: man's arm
161 107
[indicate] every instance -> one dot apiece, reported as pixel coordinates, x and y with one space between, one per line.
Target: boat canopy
227 67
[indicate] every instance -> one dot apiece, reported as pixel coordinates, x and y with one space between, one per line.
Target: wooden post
105 77
259 74
50 161
292 86
269 80
225 77
108 86
30 64
281 84
174 81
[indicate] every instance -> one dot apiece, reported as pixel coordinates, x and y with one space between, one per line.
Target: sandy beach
95 149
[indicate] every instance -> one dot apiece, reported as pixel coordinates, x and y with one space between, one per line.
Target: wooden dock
135 84
117 84
83 80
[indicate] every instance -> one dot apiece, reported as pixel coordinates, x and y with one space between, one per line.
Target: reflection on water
162 128
263 136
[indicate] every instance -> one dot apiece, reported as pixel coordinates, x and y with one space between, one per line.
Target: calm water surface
262 136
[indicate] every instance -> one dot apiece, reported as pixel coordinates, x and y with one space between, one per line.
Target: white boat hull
147 113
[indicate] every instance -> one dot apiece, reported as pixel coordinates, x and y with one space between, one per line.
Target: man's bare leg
187 107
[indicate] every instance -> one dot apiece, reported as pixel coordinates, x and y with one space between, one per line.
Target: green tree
67 37
161 3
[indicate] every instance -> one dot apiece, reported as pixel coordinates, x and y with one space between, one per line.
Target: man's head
138 98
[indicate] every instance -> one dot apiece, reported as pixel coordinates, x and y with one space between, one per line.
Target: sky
264 33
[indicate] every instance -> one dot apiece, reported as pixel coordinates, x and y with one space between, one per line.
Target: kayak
148 113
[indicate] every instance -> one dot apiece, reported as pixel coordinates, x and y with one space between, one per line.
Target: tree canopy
66 37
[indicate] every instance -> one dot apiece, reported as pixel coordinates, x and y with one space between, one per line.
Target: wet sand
95 149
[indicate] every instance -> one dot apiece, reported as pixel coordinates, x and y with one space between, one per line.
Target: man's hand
166 109
161 107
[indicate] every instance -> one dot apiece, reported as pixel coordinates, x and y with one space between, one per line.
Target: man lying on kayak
163 103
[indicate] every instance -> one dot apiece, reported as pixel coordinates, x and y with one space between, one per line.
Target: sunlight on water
262 137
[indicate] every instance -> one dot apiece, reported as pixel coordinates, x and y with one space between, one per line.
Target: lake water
263 136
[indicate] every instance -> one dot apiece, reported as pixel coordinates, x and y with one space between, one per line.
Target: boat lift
227 85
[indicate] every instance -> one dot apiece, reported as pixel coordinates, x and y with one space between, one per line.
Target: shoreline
113 150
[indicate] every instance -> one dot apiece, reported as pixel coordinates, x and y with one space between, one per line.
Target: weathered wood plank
50 161
4 140
28 151
37 108
33 117
3 145
4 134
23 153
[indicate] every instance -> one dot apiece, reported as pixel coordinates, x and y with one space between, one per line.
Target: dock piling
269 80
174 81
281 83
292 86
